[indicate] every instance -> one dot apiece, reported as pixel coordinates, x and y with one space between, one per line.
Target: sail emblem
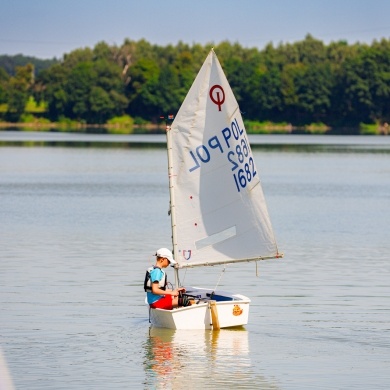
187 254
237 311
218 97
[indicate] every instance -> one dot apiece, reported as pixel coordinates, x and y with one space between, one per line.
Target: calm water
79 225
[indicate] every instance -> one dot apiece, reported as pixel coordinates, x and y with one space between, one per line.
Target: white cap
164 252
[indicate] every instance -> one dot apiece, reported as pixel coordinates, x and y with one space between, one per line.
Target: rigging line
185 274
220 276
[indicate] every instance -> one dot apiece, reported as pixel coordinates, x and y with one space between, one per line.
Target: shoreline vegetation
128 127
305 87
33 119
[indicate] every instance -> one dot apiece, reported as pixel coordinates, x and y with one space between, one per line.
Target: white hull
231 310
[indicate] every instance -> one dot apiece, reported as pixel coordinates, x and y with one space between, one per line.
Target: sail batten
219 214
216 238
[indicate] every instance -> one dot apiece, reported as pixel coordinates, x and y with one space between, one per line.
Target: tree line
306 82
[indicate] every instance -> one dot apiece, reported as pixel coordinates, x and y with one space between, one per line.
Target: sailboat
217 207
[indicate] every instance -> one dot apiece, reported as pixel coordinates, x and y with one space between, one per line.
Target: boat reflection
197 358
5 376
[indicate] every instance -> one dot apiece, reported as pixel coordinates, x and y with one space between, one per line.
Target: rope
181 283
220 276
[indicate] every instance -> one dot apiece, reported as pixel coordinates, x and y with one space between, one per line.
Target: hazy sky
50 28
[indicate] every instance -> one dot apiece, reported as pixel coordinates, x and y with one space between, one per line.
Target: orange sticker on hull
237 311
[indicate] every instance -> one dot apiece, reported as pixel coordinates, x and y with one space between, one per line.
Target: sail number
233 141
241 157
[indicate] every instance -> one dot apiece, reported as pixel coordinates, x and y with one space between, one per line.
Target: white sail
219 214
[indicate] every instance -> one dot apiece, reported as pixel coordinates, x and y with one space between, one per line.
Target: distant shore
77 126
150 128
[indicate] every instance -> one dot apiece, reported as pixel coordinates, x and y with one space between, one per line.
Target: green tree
268 95
19 88
377 65
53 82
4 79
100 105
143 87
353 91
168 94
91 91
307 92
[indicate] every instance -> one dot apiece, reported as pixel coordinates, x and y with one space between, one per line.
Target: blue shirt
155 276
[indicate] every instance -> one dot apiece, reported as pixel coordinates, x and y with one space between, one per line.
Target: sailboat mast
171 200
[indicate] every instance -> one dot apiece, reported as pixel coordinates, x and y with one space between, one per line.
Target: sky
50 28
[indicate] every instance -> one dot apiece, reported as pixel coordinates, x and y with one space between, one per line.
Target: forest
298 84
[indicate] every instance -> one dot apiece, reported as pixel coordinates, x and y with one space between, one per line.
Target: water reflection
5 376
286 143
196 358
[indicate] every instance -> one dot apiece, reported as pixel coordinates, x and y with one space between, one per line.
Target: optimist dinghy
217 207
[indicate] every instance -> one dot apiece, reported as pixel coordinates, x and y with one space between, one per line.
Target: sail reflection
176 359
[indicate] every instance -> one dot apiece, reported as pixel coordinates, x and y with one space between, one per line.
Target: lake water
79 224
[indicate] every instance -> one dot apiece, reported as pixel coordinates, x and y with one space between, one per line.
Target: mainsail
219 214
